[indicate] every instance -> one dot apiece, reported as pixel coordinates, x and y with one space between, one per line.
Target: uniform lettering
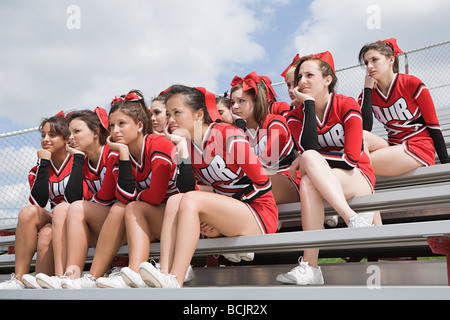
334 137
57 188
145 184
217 170
95 184
398 111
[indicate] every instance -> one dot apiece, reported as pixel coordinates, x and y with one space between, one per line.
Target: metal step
389 273
405 280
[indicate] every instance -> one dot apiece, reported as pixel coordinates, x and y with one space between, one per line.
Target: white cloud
341 26
121 45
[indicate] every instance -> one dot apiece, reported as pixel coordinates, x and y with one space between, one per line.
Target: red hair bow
132 96
327 57
249 82
270 92
102 116
296 58
210 101
116 99
392 42
164 91
60 114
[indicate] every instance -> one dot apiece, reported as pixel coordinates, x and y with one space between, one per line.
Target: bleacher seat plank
402 234
419 197
422 175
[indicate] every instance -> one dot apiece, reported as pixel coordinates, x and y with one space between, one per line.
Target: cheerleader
218 154
48 180
403 104
288 75
267 133
328 130
146 180
158 114
224 108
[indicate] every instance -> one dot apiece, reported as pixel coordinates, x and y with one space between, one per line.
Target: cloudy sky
72 54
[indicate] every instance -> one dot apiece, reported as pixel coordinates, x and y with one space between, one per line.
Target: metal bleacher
415 208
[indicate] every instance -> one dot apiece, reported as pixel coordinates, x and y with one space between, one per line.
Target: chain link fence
18 149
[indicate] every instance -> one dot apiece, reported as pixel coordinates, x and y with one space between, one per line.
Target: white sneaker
12 284
237 257
131 278
189 274
30 281
49 282
155 278
85 282
303 274
363 219
114 280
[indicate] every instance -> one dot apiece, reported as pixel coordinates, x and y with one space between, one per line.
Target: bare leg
84 222
312 214
283 189
58 229
228 216
392 161
334 187
372 142
112 236
320 182
44 253
31 219
143 223
388 160
168 232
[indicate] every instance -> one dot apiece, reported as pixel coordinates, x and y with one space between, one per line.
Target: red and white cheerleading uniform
102 179
153 179
273 144
279 107
409 116
227 163
48 183
339 136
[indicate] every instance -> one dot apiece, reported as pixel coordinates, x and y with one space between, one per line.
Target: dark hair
159 98
193 98
58 126
323 66
260 100
384 49
136 109
224 100
92 121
